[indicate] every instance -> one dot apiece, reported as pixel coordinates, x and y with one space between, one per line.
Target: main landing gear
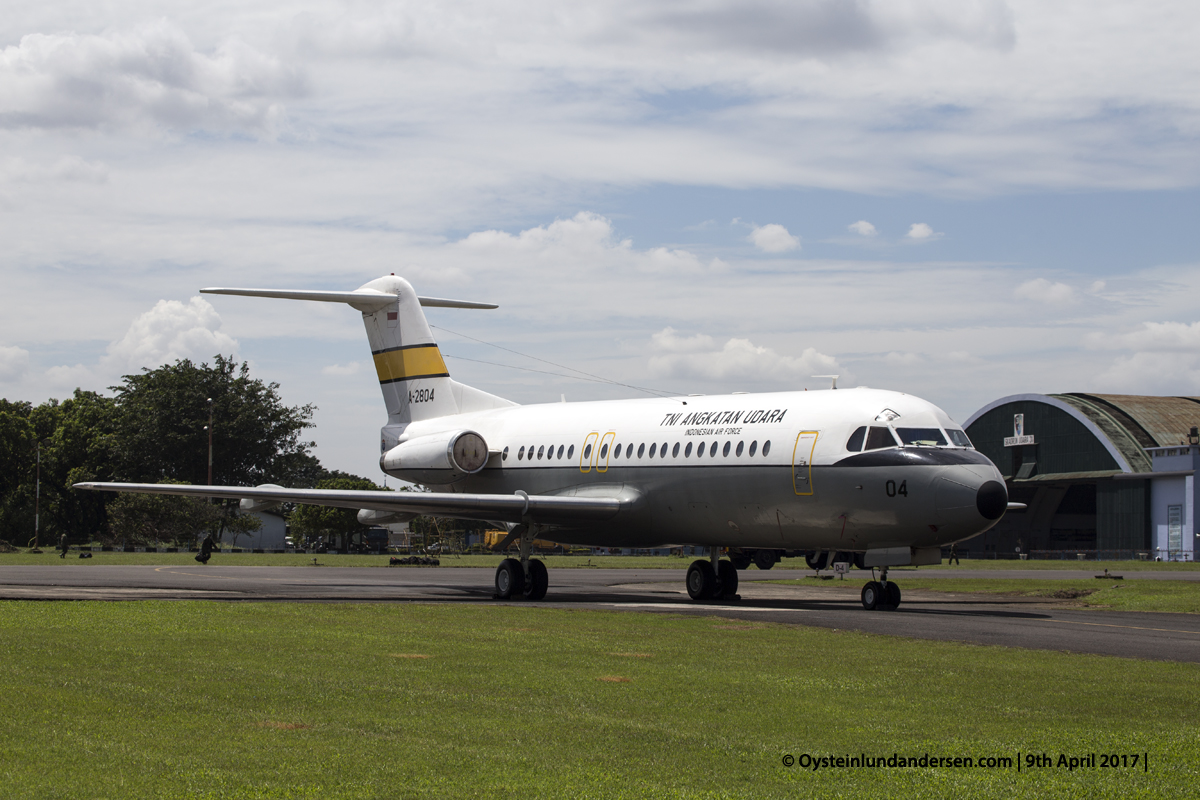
522 577
713 579
881 594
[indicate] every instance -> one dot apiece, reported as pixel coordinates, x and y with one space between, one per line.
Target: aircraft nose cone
991 500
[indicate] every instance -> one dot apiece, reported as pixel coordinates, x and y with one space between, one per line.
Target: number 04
892 491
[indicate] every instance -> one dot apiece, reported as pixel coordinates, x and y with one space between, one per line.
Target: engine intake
437 458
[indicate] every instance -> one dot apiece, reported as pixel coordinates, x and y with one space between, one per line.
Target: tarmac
1004 620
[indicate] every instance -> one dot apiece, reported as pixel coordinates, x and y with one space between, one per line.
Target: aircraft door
600 457
802 455
587 453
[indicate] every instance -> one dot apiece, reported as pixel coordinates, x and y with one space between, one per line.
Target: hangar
1107 476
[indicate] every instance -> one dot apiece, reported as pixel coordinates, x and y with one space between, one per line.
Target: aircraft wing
545 509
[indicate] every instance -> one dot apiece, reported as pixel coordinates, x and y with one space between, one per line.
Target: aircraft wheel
539 580
817 560
872 595
728 578
765 559
510 578
701 580
893 595
741 561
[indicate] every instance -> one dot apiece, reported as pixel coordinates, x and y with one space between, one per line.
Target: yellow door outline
802 454
585 462
607 440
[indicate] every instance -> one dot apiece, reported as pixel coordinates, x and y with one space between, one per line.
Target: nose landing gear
881 594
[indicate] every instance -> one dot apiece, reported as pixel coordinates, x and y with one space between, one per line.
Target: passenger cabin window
687 451
725 449
959 437
753 448
878 438
675 449
521 453
699 449
604 451
654 447
922 437
642 449
570 451
560 449
712 450
587 451
855 442
766 448
739 449
540 450
504 455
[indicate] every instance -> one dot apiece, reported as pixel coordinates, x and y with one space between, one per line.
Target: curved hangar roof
1085 435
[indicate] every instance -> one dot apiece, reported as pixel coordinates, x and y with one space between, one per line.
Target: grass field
553 562
206 700
1123 595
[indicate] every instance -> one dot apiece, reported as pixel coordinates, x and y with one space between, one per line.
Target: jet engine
437 458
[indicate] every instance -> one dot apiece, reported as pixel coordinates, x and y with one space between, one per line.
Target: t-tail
412 373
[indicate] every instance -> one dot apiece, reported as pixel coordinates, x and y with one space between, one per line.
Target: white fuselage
743 470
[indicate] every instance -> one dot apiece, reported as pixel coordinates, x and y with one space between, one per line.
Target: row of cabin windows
656 450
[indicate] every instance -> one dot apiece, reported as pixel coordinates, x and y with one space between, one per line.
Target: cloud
862 228
1159 337
826 29
339 370
697 357
168 332
66 168
14 363
773 238
1040 290
1153 373
150 73
921 232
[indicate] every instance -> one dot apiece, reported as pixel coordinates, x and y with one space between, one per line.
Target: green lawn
1122 595
215 700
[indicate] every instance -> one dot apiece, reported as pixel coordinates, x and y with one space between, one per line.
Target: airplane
875 478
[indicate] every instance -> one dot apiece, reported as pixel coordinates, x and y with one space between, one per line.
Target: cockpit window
878 438
959 437
854 443
922 437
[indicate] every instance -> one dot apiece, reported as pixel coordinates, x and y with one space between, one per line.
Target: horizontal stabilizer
546 510
362 299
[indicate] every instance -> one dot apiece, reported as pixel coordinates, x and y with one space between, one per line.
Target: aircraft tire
728 578
510 579
765 559
871 595
817 560
539 580
893 595
701 580
741 561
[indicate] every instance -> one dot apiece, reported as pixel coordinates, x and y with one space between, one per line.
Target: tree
323 522
161 433
140 519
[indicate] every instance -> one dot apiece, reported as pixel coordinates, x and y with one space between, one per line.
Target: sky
960 200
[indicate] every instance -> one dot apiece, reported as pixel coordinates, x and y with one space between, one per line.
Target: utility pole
37 502
210 426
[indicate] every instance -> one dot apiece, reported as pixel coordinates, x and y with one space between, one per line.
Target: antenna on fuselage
834 377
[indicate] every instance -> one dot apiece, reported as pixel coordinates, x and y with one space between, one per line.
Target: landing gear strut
881 594
525 576
712 579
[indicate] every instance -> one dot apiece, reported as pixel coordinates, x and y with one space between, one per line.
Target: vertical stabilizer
412 373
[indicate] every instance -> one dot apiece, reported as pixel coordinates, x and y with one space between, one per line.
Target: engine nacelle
437 458
249 504
371 518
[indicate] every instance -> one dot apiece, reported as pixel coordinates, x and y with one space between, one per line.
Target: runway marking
1112 625
190 574
691 608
